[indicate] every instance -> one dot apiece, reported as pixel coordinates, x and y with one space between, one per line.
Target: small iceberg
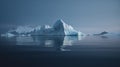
102 33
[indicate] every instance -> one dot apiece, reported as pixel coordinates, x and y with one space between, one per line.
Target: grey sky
85 15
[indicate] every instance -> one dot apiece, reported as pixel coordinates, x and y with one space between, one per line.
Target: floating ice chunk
8 35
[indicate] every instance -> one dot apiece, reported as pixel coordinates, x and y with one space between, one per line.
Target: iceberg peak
60 21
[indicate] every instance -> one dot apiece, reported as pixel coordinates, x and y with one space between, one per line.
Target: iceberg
59 28
102 33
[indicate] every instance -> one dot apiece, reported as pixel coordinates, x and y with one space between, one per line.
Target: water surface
36 51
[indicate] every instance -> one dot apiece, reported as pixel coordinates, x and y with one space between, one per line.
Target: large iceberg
59 28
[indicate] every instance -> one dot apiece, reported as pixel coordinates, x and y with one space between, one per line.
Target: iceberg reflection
69 40
55 42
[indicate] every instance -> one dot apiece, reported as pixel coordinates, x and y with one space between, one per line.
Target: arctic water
60 51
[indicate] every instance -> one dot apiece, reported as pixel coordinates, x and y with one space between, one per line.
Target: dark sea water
60 51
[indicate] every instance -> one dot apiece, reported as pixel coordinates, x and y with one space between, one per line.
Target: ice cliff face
59 28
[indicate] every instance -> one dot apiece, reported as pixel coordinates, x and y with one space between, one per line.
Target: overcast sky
85 15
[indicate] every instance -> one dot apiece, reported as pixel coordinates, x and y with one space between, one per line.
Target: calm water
60 51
